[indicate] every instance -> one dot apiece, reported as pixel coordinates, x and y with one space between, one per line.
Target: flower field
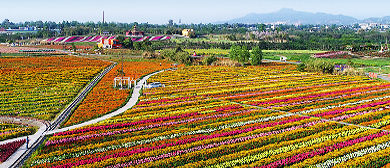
6 150
72 39
104 98
41 87
331 54
9 130
265 116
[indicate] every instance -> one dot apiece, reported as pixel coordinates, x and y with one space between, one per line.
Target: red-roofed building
135 33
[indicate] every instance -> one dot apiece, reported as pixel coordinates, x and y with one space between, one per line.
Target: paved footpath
384 77
43 127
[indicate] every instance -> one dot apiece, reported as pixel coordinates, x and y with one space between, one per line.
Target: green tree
231 37
95 47
244 54
178 49
120 39
252 36
234 52
256 56
209 60
137 45
191 35
301 67
170 22
73 47
183 58
146 45
128 43
168 54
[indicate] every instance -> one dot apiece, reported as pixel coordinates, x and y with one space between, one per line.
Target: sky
160 11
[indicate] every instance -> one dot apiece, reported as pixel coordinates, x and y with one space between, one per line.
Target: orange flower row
104 98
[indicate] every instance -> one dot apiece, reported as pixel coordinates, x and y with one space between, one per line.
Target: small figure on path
27 142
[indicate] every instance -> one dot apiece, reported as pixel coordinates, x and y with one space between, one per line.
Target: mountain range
290 16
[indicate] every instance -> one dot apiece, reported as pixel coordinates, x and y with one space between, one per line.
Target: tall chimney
103 16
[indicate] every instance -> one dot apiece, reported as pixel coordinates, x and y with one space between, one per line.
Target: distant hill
384 20
290 16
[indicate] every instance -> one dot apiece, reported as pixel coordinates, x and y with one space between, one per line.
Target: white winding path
43 127
133 100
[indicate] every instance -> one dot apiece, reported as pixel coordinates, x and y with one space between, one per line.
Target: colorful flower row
329 54
9 131
6 150
105 98
41 87
263 116
72 39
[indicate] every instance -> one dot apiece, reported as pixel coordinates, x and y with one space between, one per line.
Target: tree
6 23
301 67
191 35
137 45
256 56
244 55
120 38
128 43
261 27
231 37
183 58
168 54
146 45
170 22
73 47
252 36
209 60
178 49
234 52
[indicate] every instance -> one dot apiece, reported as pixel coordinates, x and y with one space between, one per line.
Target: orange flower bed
104 98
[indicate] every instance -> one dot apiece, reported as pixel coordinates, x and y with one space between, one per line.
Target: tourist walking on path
27 142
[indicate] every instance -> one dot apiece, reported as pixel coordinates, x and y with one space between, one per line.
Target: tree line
283 37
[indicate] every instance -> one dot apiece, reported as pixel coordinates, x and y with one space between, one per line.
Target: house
135 32
186 32
109 43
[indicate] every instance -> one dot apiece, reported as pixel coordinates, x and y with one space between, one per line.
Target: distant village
271 26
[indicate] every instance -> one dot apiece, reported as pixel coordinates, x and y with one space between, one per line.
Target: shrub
177 55
128 43
168 54
227 62
209 60
149 55
183 58
301 67
322 66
